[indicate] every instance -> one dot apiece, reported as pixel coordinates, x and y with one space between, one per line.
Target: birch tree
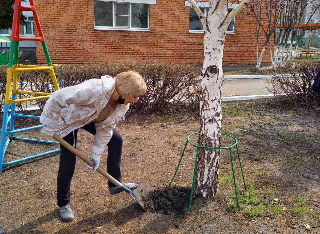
269 10
215 26
289 20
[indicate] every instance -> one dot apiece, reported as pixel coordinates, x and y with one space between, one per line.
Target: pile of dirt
168 200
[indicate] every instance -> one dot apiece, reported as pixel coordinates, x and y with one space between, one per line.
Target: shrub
168 85
292 83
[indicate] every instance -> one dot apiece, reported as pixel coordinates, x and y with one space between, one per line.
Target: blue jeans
68 162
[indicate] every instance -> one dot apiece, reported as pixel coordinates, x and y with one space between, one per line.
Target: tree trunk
263 50
215 26
210 111
261 56
273 58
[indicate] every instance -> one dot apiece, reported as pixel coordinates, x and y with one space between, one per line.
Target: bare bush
293 81
167 85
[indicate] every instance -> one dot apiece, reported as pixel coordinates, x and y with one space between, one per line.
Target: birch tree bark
215 26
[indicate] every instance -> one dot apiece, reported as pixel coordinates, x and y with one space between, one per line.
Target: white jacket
73 107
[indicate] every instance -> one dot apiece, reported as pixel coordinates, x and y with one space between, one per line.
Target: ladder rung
31 92
25 8
39 68
28 39
27 99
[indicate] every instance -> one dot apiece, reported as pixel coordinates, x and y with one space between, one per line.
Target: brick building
137 31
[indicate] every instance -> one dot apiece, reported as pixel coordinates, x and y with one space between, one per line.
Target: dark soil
169 200
279 148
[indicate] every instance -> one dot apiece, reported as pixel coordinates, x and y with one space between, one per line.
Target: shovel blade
136 196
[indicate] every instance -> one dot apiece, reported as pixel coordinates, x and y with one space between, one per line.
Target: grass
304 57
285 137
225 179
235 111
277 210
314 137
300 207
252 206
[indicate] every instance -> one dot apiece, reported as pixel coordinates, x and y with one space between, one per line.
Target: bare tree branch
235 11
199 13
314 11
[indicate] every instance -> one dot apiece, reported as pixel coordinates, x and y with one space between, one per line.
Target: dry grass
279 148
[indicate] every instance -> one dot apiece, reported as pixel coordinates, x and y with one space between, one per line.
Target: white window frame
205 5
129 27
131 1
24 27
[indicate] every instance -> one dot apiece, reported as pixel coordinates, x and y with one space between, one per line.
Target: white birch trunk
273 59
211 115
289 52
215 26
261 56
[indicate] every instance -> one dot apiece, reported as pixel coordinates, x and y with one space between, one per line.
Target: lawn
279 147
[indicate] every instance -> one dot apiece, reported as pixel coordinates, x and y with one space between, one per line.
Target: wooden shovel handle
86 159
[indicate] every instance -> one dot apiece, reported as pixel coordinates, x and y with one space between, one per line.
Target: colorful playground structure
9 110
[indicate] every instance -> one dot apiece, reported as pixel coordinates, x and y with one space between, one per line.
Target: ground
279 148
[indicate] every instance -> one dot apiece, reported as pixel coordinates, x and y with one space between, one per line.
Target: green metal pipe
46 52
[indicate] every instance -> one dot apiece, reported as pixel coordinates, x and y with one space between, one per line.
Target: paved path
244 87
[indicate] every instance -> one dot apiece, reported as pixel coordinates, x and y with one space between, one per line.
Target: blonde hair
130 84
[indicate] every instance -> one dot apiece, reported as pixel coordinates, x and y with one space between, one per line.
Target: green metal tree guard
229 148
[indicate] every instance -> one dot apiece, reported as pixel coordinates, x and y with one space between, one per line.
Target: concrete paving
244 87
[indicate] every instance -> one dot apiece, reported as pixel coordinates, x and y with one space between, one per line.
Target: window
121 15
194 21
27 29
195 24
5 31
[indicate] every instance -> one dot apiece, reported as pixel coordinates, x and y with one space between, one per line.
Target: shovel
133 194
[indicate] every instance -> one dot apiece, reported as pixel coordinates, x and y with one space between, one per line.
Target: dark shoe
116 190
66 213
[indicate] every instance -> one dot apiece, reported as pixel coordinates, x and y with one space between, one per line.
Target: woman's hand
95 158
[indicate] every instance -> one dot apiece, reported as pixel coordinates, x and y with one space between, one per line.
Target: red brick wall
68 26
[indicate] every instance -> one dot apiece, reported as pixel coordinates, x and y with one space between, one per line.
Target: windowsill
122 29
26 35
196 31
202 31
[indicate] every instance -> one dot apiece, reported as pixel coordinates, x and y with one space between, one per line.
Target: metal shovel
134 193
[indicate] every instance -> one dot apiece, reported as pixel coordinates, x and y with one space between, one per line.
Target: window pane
122 14
231 26
29 28
194 21
30 19
103 13
122 8
139 15
21 29
122 21
4 31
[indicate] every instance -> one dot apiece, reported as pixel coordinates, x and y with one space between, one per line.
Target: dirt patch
169 200
279 149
